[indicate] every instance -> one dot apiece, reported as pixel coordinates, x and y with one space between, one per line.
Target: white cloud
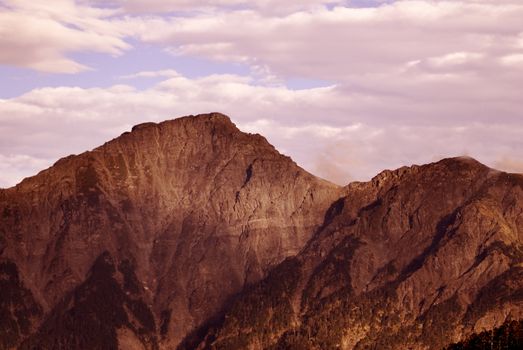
40 34
266 6
337 43
15 167
152 74
513 60
405 60
455 59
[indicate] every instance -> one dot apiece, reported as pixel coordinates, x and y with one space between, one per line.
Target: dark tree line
507 337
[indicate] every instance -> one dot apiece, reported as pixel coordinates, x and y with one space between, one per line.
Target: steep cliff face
142 240
417 258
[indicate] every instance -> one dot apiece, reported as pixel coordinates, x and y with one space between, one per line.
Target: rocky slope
142 240
417 258
191 234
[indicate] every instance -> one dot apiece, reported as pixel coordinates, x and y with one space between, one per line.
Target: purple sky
346 88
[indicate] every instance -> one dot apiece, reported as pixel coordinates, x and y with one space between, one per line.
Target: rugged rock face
142 240
191 234
417 258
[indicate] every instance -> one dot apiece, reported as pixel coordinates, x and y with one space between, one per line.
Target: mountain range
190 234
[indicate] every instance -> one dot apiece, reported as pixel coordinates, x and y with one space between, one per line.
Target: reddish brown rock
187 212
147 241
417 258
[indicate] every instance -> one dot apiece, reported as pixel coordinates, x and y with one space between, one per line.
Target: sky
346 88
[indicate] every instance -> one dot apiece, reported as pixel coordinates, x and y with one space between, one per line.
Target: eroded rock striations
192 234
143 239
417 258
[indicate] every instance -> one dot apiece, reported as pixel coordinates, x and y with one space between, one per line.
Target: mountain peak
214 118
464 161
189 210
213 130
210 135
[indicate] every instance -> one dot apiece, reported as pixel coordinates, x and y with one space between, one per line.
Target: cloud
265 6
18 166
408 61
315 39
339 42
40 34
152 74
515 60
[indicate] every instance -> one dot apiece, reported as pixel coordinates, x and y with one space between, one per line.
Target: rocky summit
190 234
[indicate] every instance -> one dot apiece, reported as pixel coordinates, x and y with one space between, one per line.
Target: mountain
417 258
143 239
192 234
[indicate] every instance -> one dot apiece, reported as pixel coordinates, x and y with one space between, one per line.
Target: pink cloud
40 34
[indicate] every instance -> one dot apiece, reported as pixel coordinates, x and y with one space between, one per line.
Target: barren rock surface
187 212
417 258
192 234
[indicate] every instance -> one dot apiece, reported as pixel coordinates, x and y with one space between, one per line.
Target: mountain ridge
187 192
349 279
189 220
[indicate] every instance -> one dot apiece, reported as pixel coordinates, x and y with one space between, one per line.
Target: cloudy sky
346 88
